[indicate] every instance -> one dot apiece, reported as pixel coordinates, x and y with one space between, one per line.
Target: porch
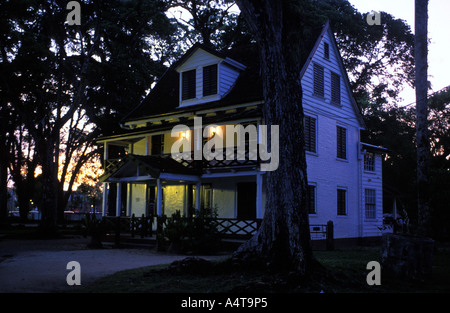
144 230
161 185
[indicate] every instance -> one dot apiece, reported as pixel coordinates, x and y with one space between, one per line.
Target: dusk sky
438 33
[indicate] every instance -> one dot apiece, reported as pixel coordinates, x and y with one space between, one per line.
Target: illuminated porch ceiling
136 168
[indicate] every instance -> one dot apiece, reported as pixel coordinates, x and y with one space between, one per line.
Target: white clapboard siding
325 170
345 111
227 78
198 59
373 180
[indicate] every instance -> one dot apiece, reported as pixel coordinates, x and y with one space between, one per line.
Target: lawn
343 271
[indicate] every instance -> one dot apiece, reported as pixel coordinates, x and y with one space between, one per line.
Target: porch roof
135 168
224 116
374 148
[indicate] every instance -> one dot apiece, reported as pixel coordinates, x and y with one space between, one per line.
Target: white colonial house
206 91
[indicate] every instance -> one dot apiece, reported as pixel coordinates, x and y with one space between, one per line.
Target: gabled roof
164 97
208 49
327 29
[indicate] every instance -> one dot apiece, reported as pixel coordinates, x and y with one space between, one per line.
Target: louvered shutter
210 80
188 85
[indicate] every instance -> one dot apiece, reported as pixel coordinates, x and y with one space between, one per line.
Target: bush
95 229
182 234
202 231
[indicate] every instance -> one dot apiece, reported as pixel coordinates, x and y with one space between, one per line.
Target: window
188 85
326 50
370 201
311 194
341 202
206 199
369 162
341 139
157 144
210 80
310 133
319 89
335 88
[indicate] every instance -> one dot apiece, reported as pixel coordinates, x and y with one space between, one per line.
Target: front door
246 200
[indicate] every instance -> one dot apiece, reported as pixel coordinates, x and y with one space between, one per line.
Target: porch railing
110 163
229 228
239 157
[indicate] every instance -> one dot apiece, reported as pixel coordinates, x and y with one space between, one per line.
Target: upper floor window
157 144
319 89
326 50
369 162
210 80
341 140
335 88
310 134
188 85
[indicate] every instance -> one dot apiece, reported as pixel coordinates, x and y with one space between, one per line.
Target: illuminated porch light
212 131
184 134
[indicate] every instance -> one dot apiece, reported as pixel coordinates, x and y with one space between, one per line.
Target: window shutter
310 134
319 89
188 85
210 80
335 88
341 139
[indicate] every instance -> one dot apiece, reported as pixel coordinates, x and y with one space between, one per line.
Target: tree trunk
3 184
49 202
423 143
283 240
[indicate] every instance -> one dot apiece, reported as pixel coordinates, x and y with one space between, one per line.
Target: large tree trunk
423 143
49 201
283 240
3 182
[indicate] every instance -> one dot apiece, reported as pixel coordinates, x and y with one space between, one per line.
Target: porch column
105 154
198 187
105 185
147 145
159 210
130 199
119 199
259 189
105 199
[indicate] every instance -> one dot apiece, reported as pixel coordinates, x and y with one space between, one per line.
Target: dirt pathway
40 265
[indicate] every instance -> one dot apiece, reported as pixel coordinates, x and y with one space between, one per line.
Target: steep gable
325 82
239 81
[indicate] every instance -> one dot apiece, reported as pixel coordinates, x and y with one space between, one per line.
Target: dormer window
188 85
205 76
210 80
